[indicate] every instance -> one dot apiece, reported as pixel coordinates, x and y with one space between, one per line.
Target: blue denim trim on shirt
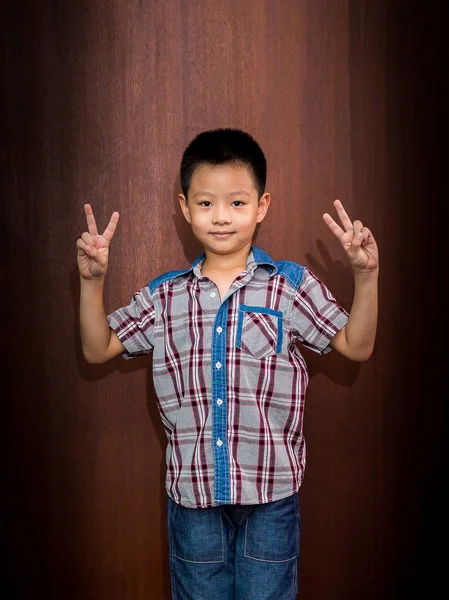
265 311
261 309
262 258
219 412
155 283
291 271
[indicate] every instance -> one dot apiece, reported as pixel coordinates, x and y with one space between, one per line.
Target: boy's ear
184 207
262 208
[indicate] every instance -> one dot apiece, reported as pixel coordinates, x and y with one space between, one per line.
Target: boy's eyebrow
239 192
203 193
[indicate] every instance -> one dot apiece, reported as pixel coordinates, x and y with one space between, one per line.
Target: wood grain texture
101 99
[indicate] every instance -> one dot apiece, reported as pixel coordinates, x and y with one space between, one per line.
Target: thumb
87 249
355 245
91 251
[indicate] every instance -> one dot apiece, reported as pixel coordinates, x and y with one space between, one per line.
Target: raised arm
99 342
356 339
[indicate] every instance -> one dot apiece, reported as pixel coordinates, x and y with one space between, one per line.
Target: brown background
101 98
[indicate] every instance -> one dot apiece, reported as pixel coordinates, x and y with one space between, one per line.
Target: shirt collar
256 258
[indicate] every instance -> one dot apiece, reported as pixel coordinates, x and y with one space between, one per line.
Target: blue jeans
234 552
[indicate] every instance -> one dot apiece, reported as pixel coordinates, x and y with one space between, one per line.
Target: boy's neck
235 261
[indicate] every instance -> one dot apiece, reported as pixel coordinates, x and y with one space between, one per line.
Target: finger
89 247
84 248
358 226
368 238
369 235
108 233
343 215
87 238
365 233
354 247
91 223
80 244
333 226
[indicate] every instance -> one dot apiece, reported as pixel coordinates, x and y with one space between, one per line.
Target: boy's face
223 208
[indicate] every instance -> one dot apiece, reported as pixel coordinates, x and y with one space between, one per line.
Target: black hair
221 147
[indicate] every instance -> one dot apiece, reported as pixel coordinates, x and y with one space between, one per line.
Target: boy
229 378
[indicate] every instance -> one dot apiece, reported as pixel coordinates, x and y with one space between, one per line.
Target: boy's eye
207 203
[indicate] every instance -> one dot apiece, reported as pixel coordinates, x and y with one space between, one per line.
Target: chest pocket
259 331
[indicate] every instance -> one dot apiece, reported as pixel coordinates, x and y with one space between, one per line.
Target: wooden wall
101 98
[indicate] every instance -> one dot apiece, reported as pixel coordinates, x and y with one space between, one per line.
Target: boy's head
223 175
224 147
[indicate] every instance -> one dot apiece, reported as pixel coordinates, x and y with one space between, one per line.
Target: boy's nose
221 216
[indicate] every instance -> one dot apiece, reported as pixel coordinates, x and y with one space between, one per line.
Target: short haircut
223 147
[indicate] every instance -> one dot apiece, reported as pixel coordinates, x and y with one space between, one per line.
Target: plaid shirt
229 379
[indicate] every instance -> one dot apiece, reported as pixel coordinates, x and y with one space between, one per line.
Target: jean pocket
259 331
196 534
272 531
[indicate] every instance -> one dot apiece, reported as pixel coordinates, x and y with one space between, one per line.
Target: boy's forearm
360 330
356 339
94 327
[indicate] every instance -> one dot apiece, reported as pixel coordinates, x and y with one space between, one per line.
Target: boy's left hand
357 240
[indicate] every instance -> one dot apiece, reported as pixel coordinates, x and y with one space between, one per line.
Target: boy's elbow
360 358
361 355
355 351
94 359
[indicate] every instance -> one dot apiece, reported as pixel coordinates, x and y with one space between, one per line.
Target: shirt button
212 294
219 401
219 442
219 329
218 365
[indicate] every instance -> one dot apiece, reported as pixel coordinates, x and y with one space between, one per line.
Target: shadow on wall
94 373
336 276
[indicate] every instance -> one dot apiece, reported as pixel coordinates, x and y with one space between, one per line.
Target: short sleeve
316 315
134 324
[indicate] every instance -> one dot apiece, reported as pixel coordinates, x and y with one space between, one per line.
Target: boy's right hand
93 248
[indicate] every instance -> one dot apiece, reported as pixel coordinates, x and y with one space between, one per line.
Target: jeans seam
297 527
170 536
222 537
295 580
267 560
198 562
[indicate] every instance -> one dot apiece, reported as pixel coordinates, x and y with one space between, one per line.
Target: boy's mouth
222 234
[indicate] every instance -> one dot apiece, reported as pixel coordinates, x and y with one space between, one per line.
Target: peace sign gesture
357 240
93 248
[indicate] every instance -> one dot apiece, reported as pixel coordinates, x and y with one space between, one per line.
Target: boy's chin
226 246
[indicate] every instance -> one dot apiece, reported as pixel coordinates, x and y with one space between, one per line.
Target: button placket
219 416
